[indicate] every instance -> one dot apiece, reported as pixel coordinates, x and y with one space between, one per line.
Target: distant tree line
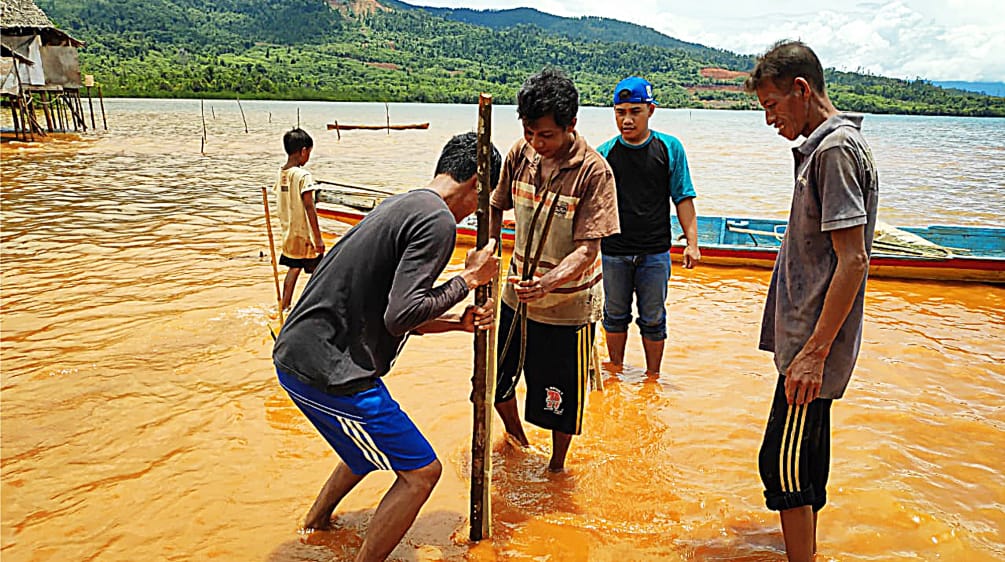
304 49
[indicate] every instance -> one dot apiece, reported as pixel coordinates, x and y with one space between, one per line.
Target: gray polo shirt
373 287
836 187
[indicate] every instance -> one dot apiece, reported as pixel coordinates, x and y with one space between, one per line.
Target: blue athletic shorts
368 430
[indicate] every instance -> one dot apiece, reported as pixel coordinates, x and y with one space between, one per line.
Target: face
546 137
633 121
787 112
305 155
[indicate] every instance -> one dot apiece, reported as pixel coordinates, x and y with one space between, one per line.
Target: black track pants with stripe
794 461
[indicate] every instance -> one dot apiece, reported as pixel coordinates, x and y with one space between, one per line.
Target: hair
459 159
784 62
549 92
296 140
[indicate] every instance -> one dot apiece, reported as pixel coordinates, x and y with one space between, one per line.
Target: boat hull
762 248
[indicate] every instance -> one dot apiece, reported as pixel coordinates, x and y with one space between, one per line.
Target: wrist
469 280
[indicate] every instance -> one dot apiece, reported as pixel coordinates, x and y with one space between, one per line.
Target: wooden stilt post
485 346
101 100
58 106
242 115
90 104
43 98
17 124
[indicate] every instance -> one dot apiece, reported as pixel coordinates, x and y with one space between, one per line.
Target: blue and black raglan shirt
648 176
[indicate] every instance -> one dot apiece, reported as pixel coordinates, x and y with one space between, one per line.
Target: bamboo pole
485 346
242 115
387 114
272 253
101 101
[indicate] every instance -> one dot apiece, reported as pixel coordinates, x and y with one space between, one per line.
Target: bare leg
616 347
341 481
511 420
397 511
799 531
559 448
654 355
815 532
289 284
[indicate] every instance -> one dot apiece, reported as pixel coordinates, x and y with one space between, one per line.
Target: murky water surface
141 419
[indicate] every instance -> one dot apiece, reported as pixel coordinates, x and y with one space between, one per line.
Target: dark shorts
368 429
556 366
795 456
306 264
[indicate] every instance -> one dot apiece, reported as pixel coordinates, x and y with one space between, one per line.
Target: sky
931 39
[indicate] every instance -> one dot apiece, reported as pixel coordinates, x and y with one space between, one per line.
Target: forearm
840 297
446 323
312 218
688 219
415 310
573 265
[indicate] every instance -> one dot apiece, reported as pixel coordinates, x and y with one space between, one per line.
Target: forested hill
586 28
391 51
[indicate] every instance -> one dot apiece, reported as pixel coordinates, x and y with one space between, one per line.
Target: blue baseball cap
633 90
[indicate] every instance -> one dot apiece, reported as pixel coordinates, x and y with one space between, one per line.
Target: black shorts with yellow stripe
795 455
556 365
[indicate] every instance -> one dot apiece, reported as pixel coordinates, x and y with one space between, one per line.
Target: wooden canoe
340 127
946 253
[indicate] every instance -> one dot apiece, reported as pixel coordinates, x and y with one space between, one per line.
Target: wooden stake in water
485 346
242 115
387 115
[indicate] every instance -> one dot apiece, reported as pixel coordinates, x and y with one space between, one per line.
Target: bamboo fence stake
485 346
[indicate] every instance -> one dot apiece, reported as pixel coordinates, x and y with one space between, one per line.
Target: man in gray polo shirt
813 314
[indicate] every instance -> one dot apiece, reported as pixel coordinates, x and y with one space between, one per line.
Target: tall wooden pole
101 101
485 346
272 254
90 104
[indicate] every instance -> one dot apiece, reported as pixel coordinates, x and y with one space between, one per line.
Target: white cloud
933 39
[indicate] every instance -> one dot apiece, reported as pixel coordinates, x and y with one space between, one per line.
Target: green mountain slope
586 28
362 50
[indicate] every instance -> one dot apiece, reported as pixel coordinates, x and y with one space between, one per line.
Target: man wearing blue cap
650 171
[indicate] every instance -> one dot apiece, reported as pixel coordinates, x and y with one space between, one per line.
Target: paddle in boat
946 253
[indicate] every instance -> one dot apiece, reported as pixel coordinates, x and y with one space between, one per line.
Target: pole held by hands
485 346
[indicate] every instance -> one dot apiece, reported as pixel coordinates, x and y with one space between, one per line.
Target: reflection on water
141 419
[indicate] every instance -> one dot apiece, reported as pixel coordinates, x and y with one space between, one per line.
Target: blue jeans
646 277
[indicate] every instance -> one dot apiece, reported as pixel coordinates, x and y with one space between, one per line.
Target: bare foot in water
515 441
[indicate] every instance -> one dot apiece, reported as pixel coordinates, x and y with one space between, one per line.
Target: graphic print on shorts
553 400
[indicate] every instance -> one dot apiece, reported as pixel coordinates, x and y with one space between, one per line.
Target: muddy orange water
141 419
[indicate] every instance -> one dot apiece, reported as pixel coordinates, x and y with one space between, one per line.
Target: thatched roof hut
24 17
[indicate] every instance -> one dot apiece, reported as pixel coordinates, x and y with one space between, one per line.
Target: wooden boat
467 230
336 126
947 253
